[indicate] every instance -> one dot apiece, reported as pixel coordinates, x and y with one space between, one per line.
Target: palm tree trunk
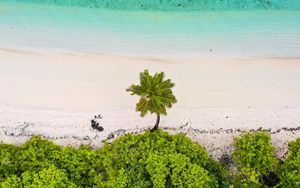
156 124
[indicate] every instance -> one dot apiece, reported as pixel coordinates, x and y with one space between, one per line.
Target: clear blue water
254 32
174 5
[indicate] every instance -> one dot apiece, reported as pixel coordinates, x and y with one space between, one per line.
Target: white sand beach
56 94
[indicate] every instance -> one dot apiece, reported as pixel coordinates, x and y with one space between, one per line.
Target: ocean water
174 5
250 28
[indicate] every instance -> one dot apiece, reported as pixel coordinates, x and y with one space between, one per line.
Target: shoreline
56 95
217 142
214 130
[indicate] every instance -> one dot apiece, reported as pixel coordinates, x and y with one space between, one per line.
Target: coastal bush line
173 5
153 159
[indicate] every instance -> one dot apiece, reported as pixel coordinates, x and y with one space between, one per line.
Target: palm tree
156 95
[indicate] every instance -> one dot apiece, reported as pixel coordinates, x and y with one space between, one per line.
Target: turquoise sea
248 28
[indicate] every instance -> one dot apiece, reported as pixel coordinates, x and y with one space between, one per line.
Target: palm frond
156 94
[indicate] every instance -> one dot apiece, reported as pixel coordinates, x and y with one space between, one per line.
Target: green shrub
139 161
34 155
253 157
11 182
158 160
289 172
48 177
144 161
7 153
80 165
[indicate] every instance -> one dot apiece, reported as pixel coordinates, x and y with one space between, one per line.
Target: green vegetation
146 160
289 173
47 177
253 157
39 157
153 159
158 160
156 95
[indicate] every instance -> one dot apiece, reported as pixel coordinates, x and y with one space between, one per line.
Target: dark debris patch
95 124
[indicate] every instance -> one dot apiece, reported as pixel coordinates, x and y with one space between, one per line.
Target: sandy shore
57 94
214 128
87 81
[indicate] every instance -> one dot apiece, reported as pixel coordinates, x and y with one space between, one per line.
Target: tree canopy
155 94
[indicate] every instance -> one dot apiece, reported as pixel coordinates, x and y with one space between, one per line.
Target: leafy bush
34 155
30 160
289 172
47 177
253 158
7 153
82 164
158 160
146 160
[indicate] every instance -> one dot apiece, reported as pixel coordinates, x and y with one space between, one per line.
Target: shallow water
174 5
250 33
